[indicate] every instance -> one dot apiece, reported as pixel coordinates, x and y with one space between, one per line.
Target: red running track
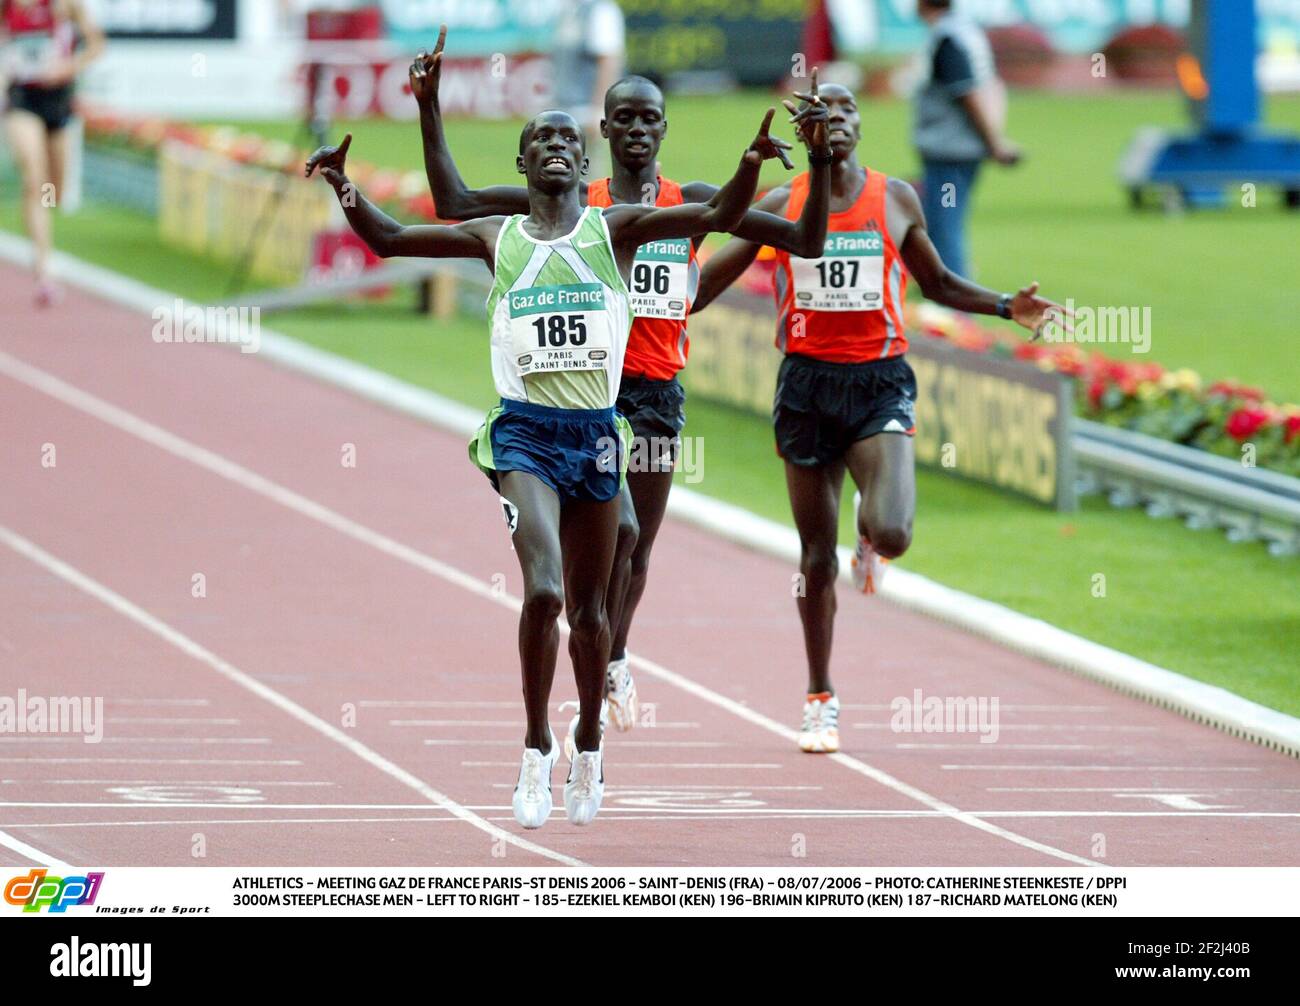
346 692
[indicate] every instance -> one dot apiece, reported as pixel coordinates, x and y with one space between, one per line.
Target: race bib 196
564 327
850 275
659 279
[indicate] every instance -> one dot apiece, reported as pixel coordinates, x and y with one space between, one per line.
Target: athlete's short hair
631 80
527 131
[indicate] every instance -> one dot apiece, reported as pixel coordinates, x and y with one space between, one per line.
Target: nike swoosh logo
589 244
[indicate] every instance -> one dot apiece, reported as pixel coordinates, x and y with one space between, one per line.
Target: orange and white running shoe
620 692
820 732
868 566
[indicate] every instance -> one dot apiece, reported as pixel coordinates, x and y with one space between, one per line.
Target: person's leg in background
948 191
25 133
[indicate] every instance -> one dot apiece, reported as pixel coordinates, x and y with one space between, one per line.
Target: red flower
1243 423
1230 389
1291 426
1095 390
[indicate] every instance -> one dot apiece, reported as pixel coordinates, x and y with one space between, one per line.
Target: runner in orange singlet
845 394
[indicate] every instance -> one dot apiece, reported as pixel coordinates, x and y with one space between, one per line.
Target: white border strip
1207 704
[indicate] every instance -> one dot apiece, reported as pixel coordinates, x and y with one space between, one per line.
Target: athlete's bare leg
649 491
884 468
589 535
56 154
537 544
815 504
629 533
27 141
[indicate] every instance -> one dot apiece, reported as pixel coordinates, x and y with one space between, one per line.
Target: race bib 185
563 327
850 275
659 279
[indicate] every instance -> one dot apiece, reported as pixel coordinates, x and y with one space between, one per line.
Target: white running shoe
820 732
585 786
570 745
868 566
532 800
621 694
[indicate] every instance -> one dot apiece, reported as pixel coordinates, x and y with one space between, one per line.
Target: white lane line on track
1136 789
622 743
1094 768
693 765
436 704
618 809
150 761
286 705
136 740
1054 727
169 720
975 745
512 724
30 852
1005 707
156 782
219 465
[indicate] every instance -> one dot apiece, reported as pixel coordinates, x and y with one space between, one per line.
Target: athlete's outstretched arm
806 236
726 265
943 286
384 235
452 197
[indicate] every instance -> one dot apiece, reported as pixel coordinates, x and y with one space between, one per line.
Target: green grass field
1226 614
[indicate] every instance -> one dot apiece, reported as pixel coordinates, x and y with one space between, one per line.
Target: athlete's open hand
332 162
1036 313
810 120
765 147
426 71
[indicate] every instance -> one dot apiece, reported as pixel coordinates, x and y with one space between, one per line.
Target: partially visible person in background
960 116
586 59
41 62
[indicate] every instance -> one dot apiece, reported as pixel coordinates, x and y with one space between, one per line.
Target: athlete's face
635 125
843 126
552 158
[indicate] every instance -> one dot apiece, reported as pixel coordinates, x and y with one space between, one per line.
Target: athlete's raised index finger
767 121
814 85
343 147
442 40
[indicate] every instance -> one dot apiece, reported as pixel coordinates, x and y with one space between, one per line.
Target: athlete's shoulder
903 195
695 192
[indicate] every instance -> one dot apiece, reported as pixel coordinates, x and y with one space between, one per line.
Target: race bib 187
659 279
563 327
850 275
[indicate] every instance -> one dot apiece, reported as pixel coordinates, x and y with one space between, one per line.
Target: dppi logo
36 891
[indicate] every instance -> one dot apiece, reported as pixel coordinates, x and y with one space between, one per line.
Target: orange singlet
665 277
847 306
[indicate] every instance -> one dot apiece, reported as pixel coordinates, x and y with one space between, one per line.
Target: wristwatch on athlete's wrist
1004 306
